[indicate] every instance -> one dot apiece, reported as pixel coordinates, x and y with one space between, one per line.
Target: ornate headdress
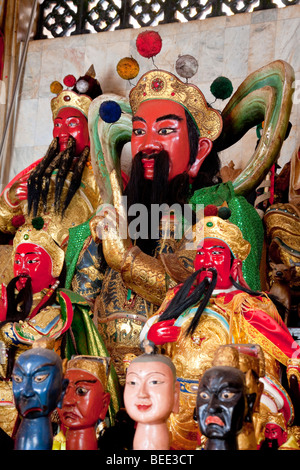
216 227
28 233
83 91
95 365
159 84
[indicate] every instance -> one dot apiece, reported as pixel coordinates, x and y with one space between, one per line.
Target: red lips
214 420
143 407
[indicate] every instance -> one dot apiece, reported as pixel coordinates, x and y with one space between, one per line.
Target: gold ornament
162 85
28 234
128 68
96 365
215 227
70 99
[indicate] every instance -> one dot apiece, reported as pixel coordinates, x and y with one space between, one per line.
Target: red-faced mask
33 261
71 122
214 254
85 400
161 125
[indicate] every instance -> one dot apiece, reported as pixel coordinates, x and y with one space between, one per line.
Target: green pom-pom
38 223
224 213
221 88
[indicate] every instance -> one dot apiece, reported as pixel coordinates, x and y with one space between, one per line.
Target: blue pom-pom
110 111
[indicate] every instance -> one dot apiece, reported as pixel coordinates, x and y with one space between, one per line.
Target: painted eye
204 395
227 395
166 131
81 391
41 378
72 123
17 379
138 132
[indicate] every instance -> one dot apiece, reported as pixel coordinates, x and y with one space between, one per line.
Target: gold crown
276 418
215 227
28 234
96 365
159 84
70 99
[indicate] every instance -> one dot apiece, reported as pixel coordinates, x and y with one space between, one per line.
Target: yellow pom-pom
56 87
128 68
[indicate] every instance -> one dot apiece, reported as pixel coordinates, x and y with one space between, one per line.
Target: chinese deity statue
38 387
85 401
165 120
151 394
34 306
210 309
61 186
228 397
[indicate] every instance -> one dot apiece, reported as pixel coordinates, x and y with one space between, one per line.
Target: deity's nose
152 148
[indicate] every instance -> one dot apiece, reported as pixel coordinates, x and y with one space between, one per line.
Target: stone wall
232 46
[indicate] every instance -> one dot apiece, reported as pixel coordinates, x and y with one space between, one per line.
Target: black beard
39 180
159 190
18 305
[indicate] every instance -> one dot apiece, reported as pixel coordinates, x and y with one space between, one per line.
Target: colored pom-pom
186 66
38 223
210 210
56 87
221 88
148 44
69 80
18 220
224 213
110 111
128 68
82 85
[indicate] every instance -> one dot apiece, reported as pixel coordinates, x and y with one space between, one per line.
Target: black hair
184 299
39 180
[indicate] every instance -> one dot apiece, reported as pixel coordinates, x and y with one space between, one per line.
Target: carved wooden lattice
68 17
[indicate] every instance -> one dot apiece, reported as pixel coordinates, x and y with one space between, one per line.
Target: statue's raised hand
163 332
18 191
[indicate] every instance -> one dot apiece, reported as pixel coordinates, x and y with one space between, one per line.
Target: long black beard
157 191
184 299
18 308
18 305
39 180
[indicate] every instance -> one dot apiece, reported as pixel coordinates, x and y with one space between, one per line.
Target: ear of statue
204 148
105 404
175 408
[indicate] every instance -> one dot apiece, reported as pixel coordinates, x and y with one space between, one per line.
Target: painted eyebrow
169 116
85 381
30 253
161 118
67 117
147 375
138 118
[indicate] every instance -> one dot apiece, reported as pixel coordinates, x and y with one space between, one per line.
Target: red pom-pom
18 220
210 210
148 44
69 80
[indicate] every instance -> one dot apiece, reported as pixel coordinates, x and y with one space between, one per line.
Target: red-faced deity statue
85 402
33 261
71 122
161 125
214 254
